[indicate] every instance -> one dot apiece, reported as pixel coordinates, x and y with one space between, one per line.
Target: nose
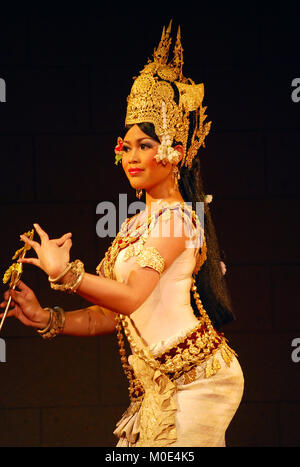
133 156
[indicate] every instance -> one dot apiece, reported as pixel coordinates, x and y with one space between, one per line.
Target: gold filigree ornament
14 272
153 98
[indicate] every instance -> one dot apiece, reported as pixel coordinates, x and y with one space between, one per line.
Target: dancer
160 284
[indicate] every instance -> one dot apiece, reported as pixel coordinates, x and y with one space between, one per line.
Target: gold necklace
124 238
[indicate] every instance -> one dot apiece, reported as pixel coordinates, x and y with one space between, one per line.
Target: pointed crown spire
161 54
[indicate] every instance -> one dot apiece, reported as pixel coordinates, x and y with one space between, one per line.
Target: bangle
42 331
55 325
77 268
69 265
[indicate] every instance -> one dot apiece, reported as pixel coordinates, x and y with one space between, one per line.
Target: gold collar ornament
161 95
14 272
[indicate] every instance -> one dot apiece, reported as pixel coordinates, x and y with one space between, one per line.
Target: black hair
210 282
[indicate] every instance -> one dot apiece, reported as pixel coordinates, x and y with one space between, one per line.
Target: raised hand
53 255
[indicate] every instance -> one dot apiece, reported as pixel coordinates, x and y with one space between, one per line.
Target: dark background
68 70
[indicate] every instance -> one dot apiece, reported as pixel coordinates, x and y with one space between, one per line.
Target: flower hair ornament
119 150
165 151
208 198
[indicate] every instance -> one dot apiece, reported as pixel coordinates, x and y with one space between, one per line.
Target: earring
176 176
139 193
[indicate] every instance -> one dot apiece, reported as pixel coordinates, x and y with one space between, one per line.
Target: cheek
152 164
124 162
150 161
155 170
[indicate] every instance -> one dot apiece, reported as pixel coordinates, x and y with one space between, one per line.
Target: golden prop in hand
14 272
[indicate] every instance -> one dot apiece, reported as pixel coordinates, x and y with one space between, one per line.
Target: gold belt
198 346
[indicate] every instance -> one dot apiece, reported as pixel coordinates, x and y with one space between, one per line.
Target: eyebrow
139 140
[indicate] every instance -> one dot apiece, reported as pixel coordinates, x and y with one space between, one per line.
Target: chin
136 186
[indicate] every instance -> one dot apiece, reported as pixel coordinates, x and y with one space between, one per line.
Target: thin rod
5 313
6 309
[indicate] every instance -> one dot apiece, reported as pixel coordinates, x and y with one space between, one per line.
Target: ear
179 148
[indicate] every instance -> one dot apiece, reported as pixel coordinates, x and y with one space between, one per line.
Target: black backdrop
68 70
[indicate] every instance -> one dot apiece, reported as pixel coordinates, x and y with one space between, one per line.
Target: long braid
210 282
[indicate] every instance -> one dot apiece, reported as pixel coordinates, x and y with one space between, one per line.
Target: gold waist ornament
198 346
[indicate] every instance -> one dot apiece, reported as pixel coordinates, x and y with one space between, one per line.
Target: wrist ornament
55 324
70 286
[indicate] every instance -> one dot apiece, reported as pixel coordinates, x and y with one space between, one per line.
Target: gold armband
151 258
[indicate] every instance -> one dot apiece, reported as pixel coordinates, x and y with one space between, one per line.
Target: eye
145 146
126 148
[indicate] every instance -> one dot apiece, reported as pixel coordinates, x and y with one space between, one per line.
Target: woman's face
138 160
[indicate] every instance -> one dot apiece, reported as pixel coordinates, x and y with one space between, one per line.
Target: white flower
208 198
223 267
166 153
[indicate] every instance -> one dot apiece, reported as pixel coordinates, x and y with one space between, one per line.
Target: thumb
67 244
60 241
17 297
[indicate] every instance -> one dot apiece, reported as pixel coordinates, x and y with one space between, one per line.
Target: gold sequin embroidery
150 257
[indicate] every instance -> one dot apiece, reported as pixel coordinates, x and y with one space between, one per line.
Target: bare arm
122 298
119 297
127 297
90 321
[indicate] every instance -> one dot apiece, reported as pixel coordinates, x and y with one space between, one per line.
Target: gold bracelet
42 331
77 268
56 325
69 265
77 283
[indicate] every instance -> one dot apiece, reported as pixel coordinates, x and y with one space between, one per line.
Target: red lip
135 171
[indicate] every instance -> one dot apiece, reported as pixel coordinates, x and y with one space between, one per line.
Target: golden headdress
161 95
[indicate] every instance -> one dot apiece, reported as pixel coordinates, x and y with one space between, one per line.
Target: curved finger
4 304
67 245
22 286
43 235
60 241
32 243
34 261
11 312
6 295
